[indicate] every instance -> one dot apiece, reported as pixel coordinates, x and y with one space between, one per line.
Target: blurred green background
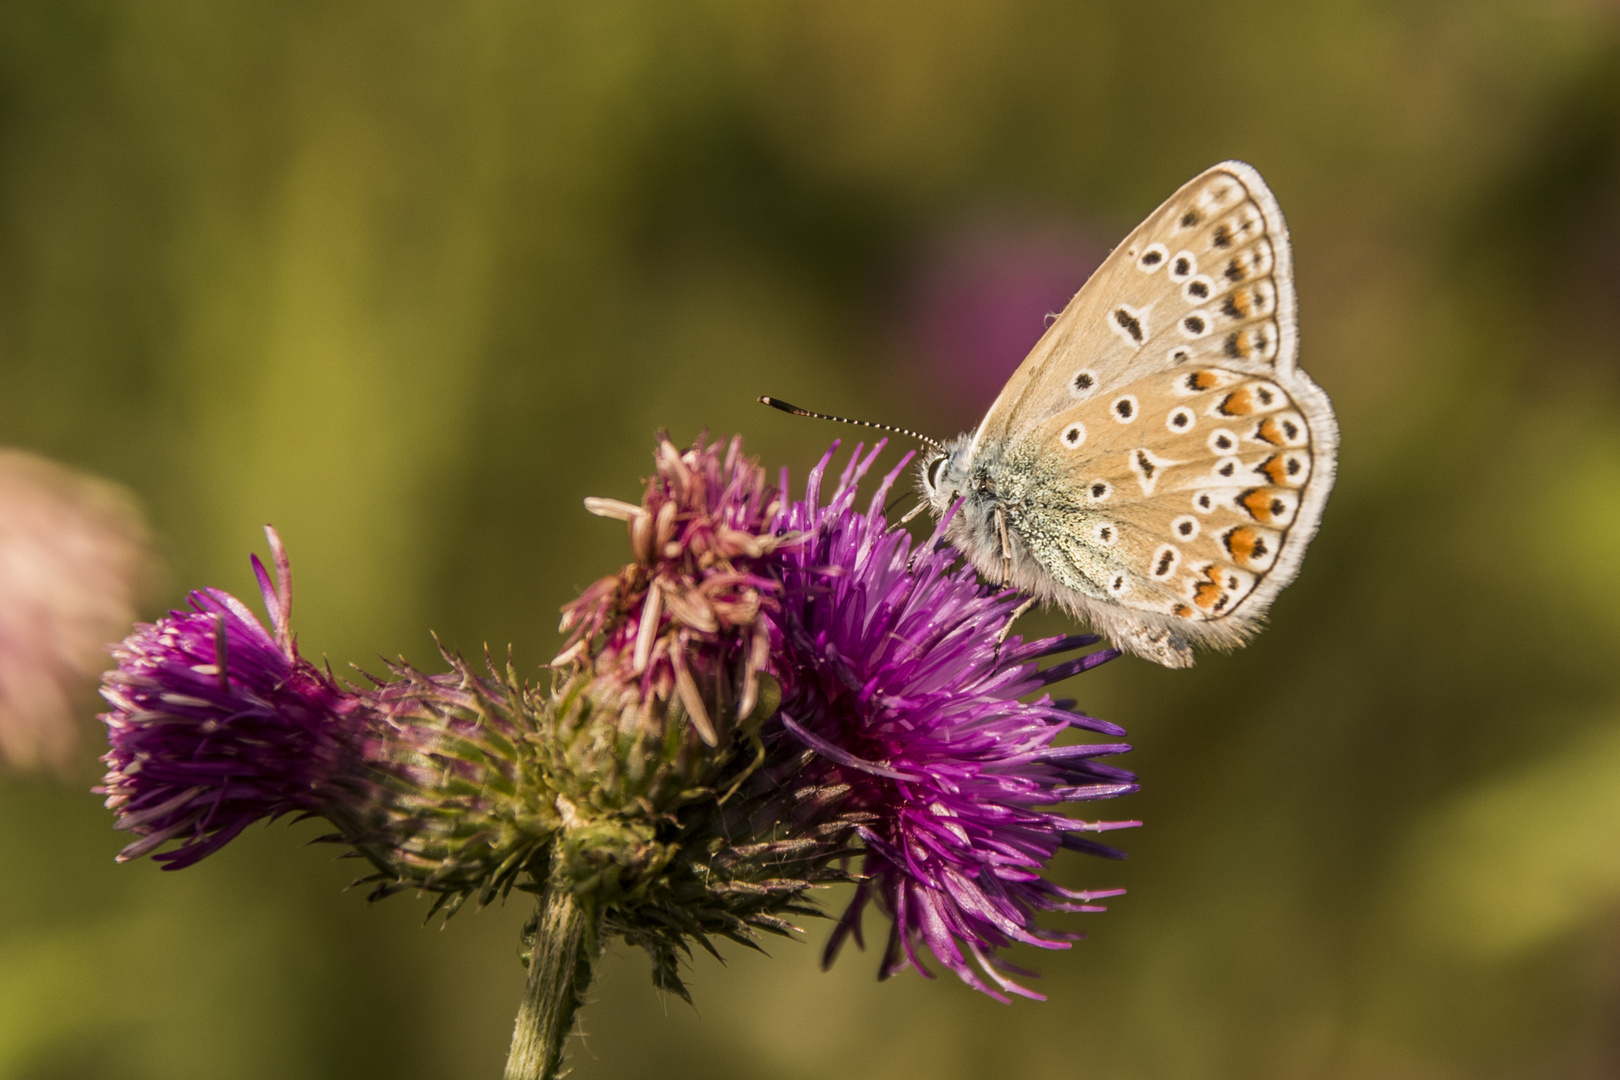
411 279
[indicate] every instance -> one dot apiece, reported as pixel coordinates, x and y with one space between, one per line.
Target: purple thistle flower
216 723
893 673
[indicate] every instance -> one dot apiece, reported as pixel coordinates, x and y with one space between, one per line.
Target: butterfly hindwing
1177 495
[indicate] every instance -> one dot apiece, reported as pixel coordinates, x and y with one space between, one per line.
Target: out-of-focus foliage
411 279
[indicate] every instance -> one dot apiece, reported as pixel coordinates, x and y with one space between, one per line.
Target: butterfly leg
1006 548
1007 629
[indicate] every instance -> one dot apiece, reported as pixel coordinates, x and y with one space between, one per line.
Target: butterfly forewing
1207 278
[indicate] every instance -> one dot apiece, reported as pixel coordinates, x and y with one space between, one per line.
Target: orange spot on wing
1260 504
1209 591
1182 611
1238 403
1241 542
1276 467
1270 432
1203 380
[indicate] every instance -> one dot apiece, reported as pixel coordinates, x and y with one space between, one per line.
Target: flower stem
566 946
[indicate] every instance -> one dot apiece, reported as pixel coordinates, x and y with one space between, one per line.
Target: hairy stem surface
566 946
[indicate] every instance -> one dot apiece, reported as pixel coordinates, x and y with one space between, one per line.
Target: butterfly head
944 474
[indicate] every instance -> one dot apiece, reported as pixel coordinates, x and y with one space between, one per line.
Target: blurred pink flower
74 554
983 295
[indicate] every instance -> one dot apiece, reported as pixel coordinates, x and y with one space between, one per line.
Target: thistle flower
764 692
217 722
690 606
73 554
687 832
898 676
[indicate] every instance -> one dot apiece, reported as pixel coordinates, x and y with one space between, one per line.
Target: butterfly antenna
778 403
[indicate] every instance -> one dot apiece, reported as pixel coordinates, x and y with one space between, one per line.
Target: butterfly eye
936 469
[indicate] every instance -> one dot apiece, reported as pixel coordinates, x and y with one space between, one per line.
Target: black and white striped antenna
794 410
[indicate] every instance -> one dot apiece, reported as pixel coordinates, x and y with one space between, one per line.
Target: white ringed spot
1073 435
1083 383
1154 257
1099 491
1125 408
1195 325
1105 533
1130 324
1222 441
1198 289
1184 527
1182 266
1165 560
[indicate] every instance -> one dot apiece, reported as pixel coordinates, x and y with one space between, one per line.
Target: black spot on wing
1129 323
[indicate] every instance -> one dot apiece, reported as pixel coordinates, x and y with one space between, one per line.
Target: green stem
566 945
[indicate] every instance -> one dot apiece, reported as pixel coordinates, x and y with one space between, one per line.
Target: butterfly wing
1161 460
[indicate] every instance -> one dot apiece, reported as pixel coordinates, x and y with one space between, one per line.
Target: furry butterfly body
1158 464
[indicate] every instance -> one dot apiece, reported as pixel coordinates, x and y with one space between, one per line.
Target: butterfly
1159 463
